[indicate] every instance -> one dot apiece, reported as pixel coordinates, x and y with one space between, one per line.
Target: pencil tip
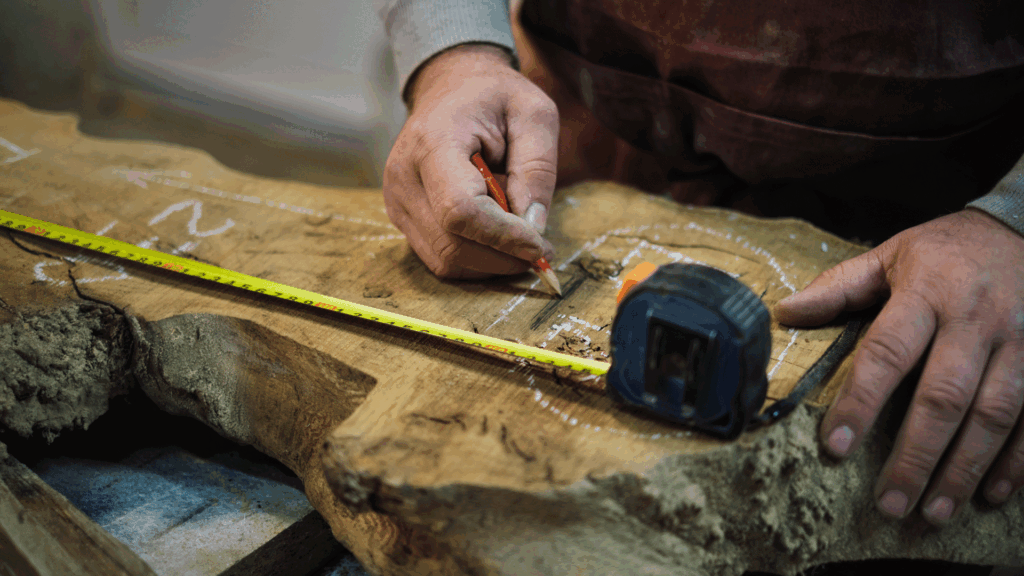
549 278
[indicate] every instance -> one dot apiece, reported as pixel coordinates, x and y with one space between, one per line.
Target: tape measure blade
202 270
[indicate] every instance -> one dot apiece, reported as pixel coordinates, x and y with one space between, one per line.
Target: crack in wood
453 419
14 239
512 447
9 308
83 296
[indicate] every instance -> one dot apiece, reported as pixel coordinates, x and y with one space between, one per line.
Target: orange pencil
541 266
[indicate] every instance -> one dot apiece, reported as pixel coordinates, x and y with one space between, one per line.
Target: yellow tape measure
127 251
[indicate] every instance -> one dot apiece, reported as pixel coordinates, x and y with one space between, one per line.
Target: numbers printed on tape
181 265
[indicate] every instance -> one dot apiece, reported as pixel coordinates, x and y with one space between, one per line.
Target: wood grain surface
430 458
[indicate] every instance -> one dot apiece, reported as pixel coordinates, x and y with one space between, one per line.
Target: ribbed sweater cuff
419 29
1006 201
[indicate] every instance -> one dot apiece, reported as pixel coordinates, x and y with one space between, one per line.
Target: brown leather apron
744 92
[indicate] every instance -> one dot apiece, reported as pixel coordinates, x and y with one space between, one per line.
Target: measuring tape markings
180 265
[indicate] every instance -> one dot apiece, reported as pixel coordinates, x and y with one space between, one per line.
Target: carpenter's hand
957 282
465 100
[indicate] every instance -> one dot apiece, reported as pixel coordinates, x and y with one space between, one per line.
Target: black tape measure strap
814 376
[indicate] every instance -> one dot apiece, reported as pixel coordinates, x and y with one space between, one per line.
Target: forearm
1006 201
419 29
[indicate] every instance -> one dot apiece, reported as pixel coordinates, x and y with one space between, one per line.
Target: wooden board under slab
429 458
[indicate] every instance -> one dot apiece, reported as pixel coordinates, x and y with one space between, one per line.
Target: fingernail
840 439
940 509
893 503
537 216
1001 491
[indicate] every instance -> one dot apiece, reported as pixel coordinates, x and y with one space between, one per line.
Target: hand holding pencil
468 98
540 266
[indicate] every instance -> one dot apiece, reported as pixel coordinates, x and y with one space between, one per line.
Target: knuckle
538 108
946 399
965 474
396 213
929 287
539 170
545 113
392 173
888 351
868 398
914 466
457 215
998 415
442 262
978 305
424 139
489 236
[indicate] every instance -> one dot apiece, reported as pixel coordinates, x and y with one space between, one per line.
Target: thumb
851 285
532 159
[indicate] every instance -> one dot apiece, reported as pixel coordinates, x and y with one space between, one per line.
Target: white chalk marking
135 177
141 177
185 248
792 340
42 276
106 228
585 323
197 213
511 305
19 152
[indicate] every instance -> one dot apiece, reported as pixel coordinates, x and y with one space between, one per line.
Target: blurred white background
320 66
312 78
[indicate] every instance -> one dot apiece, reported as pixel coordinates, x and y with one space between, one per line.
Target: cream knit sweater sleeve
1006 201
419 29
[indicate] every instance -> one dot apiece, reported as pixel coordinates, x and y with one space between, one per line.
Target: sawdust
60 369
578 346
597 268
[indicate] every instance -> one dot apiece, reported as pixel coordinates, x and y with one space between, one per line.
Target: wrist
464 58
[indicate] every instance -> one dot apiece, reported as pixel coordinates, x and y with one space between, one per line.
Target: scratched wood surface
442 459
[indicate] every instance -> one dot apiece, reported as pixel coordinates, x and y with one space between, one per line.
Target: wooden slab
446 460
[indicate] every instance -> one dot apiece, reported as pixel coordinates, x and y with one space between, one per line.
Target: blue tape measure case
691 344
